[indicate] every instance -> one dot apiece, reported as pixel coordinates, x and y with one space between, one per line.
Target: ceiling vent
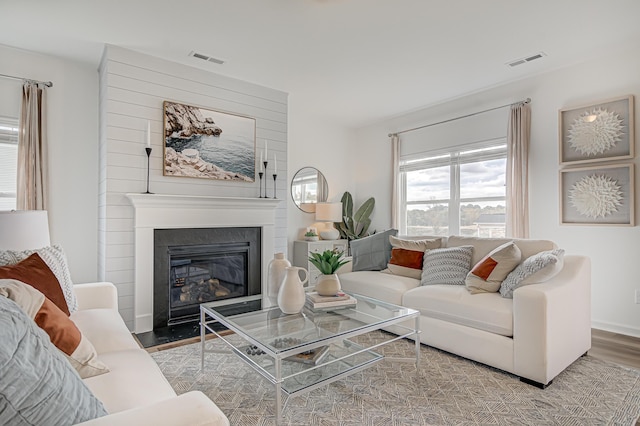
521 61
206 57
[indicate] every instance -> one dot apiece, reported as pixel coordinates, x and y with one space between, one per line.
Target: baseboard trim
616 328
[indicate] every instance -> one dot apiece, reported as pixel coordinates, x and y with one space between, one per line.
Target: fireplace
198 265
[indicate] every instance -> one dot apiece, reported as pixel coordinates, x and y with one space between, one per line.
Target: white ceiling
352 61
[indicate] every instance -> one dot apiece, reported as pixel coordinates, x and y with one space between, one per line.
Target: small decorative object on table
291 296
328 262
311 235
275 275
329 303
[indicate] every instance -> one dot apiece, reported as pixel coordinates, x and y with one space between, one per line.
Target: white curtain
32 150
395 167
518 136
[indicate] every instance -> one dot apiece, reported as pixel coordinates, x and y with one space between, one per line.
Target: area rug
448 390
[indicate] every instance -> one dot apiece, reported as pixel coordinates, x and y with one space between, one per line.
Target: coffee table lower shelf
341 360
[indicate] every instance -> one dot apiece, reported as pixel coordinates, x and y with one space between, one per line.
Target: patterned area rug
448 391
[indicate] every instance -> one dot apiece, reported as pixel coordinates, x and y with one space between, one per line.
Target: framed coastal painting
209 144
597 195
600 131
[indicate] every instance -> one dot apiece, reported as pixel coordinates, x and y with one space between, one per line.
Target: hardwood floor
618 348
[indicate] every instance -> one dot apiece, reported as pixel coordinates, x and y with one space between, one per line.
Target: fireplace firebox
197 265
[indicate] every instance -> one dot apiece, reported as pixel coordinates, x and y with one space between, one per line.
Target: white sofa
134 391
535 335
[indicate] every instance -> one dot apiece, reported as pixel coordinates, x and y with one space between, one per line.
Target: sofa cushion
535 269
134 381
486 311
38 386
34 271
105 329
62 332
372 253
446 265
378 285
55 259
487 275
482 246
407 255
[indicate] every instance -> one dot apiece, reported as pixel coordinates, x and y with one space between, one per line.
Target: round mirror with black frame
309 187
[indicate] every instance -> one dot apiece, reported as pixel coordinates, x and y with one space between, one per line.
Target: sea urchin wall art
601 195
597 132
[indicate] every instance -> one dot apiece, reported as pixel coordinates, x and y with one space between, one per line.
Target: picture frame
600 131
205 143
598 195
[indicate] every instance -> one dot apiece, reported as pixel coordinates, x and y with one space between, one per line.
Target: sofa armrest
347 267
189 409
552 321
96 295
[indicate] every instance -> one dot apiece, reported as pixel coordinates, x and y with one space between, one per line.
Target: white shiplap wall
133 87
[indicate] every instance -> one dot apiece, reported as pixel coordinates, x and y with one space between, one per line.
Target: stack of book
339 301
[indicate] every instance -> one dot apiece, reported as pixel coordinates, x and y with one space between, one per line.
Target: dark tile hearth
170 334
188 330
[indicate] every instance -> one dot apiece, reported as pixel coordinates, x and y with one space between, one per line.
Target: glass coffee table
298 353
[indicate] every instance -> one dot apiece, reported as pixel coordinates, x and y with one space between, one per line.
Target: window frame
9 131
455 157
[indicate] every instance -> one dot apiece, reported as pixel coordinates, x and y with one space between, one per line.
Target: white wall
316 143
133 87
614 251
72 120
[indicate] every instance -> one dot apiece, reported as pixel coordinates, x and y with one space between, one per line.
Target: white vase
291 296
275 274
328 285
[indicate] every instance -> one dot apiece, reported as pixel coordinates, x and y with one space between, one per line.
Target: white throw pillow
535 269
487 275
56 260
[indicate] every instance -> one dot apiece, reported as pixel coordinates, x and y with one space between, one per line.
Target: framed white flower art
597 132
599 195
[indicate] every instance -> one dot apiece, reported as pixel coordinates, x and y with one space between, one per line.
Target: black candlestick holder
274 185
148 150
260 174
265 177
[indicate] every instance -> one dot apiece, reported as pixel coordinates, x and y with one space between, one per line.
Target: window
460 192
8 162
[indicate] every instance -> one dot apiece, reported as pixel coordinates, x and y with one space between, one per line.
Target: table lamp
24 230
329 213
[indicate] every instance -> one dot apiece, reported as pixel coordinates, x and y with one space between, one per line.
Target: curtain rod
526 101
46 83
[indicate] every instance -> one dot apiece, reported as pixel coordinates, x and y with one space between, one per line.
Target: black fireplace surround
184 261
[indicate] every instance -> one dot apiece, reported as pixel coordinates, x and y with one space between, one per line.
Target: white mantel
162 211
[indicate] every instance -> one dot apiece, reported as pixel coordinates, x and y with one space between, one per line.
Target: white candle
261 169
275 164
266 151
148 134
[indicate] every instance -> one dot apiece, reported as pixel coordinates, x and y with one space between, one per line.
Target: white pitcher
291 296
275 275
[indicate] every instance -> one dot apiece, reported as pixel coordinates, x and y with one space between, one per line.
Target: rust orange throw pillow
62 331
35 272
407 258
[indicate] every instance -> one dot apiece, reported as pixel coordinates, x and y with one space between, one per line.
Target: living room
98 109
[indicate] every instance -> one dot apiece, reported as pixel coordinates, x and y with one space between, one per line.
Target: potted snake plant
328 262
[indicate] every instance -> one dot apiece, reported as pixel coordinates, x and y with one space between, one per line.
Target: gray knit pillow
535 269
446 265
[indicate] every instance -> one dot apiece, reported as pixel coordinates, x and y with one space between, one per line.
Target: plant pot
314 238
328 285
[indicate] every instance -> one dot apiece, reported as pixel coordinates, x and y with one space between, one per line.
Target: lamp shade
24 230
329 212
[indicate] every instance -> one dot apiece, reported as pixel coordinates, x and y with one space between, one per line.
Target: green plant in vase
354 226
328 262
